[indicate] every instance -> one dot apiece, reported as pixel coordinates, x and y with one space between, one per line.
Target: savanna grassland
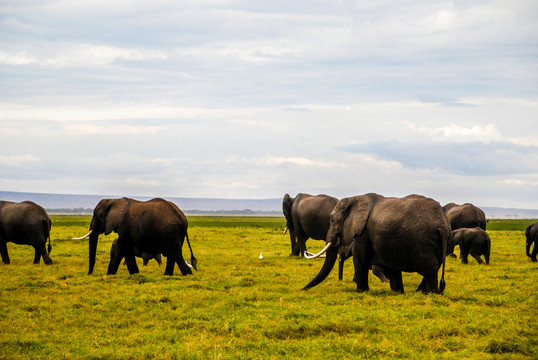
238 306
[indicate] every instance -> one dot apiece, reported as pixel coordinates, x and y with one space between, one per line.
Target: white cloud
141 182
517 182
230 186
301 161
90 129
228 98
458 133
18 160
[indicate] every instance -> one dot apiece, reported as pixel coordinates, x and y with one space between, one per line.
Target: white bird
260 257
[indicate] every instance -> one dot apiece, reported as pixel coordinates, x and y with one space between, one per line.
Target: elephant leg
185 269
463 256
46 258
429 281
3 252
379 272
477 257
301 245
41 251
115 260
395 279
37 254
170 263
340 268
131 264
145 259
294 245
534 252
361 275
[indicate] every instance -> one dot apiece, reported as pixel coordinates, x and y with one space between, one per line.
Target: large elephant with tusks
408 234
308 216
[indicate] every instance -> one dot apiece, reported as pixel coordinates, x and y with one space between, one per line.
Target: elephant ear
116 214
287 202
359 213
456 236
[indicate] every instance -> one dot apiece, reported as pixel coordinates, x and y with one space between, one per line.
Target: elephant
408 234
25 223
114 252
465 216
307 216
474 241
156 226
532 236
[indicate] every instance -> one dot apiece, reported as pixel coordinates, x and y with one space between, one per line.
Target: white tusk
318 254
311 254
84 237
285 231
189 265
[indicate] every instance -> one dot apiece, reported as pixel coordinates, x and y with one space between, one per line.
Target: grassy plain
238 306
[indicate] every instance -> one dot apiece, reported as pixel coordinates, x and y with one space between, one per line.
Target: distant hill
84 204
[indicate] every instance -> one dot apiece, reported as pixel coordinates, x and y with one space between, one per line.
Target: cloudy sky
250 99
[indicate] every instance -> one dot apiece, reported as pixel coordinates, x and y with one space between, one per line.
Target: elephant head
287 203
108 216
456 237
348 220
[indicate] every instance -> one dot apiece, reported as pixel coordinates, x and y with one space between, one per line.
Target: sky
255 99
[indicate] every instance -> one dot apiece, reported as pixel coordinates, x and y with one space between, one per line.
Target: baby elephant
114 251
474 241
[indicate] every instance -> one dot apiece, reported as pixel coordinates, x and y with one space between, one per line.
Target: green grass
240 307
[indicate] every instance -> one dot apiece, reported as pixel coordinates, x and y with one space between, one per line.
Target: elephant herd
145 229
387 235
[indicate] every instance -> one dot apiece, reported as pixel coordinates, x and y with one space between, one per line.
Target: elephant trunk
93 251
330 259
528 248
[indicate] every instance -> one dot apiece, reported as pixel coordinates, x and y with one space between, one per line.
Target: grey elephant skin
307 216
472 241
531 234
115 252
408 234
25 223
155 226
465 216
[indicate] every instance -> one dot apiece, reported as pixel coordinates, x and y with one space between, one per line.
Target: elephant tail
48 226
444 241
193 259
